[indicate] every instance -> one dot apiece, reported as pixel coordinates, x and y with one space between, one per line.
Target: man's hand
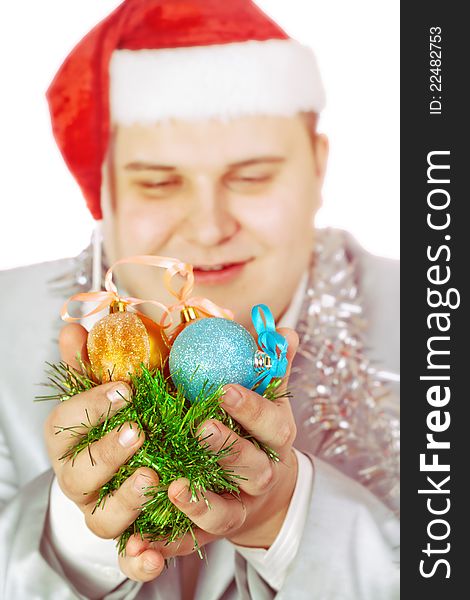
81 480
255 518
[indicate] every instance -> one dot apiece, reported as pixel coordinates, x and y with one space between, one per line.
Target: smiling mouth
219 273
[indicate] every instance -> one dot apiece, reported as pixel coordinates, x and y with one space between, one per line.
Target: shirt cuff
273 564
90 562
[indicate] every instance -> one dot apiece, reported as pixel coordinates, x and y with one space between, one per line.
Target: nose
209 220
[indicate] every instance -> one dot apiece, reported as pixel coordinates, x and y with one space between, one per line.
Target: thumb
72 342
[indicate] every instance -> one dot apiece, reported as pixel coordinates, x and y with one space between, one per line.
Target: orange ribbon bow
173 267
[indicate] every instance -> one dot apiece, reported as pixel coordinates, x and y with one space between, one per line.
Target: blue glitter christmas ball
212 352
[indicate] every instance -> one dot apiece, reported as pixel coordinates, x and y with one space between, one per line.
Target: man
191 129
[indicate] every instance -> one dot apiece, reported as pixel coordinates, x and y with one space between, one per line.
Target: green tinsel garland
171 447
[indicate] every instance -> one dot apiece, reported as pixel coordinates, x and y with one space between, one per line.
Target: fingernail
184 495
119 394
141 483
232 397
150 566
128 436
209 432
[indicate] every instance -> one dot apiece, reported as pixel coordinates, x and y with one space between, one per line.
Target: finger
145 567
143 559
250 466
271 423
181 547
72 341
123 507
81 477
216 514
72 418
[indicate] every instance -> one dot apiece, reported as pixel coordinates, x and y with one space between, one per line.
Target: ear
322 147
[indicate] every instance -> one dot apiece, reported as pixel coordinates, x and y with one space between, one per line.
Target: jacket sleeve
349 548
29 567
7 473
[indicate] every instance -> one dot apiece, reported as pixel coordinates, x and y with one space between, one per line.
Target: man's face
236 199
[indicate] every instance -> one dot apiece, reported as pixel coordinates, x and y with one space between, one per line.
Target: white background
357 45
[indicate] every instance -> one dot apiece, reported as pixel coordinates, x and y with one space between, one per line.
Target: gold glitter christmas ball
159 344
117 345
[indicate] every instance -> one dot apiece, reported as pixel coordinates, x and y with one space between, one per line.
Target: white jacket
349 546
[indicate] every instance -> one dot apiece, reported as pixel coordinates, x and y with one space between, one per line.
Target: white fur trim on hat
275 77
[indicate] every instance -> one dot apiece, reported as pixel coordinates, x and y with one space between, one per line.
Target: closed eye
158 188
155 185
248 184
261 178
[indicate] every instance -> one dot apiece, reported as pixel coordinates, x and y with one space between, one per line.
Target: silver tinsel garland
345 409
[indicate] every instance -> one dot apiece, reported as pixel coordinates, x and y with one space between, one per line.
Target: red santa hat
152 60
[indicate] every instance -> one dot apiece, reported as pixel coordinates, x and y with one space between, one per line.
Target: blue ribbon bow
272 343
